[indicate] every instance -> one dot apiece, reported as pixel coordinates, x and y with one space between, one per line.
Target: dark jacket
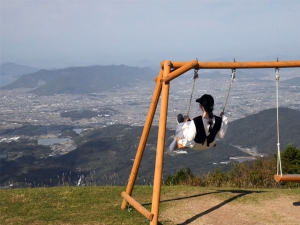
201 135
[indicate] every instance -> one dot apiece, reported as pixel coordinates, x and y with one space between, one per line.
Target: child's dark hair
207 102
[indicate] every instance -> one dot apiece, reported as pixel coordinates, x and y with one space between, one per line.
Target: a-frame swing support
169 71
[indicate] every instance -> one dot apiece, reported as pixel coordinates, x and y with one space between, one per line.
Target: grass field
179 205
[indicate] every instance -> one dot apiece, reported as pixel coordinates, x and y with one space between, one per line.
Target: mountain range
110 151
91 79
260 130
81 80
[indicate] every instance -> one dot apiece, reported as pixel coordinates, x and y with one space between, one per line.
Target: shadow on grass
182 198
187 197
240 193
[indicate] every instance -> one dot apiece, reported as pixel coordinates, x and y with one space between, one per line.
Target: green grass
101 205
68 205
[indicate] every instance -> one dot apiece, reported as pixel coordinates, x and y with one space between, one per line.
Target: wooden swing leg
141 209
160 147
144 138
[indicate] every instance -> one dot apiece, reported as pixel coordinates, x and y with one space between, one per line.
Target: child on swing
200 133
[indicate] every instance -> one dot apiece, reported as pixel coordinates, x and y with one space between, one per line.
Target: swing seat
287 178
180 145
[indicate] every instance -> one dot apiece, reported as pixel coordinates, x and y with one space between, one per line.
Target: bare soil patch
243 207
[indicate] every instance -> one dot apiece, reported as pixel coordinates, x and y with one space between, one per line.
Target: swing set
169 71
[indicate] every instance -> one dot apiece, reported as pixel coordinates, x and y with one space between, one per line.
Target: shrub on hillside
255 174
182 177
216 179
290 159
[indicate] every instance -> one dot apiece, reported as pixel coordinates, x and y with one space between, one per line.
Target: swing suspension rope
231 81
194 77
279 168
280 177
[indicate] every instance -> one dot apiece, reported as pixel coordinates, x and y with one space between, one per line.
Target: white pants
178 133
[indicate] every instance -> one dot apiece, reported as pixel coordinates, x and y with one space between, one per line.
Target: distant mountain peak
82 80
10 71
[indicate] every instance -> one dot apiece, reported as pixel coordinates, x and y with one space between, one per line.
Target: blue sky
57 34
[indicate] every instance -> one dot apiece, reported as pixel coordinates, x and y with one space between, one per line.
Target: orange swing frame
162 89
287 178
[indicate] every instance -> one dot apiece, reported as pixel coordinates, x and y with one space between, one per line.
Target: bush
290 160
182 177
216 179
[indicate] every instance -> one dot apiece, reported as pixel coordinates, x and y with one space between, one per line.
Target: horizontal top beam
182 67
241 65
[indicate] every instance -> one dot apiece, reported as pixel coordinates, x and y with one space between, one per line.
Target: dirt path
216 207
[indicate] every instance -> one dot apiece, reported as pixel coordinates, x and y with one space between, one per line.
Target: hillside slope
81 80
106 154
260 130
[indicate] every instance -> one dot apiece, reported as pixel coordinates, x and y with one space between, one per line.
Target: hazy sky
56 33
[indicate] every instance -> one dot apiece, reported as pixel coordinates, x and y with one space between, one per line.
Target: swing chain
231 81
277 75
233 73
195 74
194 78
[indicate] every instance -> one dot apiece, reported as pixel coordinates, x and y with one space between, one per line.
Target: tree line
255 174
